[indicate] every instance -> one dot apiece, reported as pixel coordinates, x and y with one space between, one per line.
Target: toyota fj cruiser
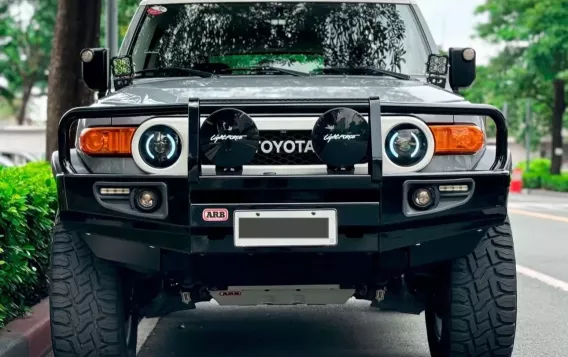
259 152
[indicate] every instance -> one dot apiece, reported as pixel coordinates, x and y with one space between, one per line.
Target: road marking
539 215
145 328
548 280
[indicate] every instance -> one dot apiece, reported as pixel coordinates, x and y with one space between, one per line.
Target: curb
29 336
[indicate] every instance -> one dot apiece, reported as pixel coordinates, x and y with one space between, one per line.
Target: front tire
474 311
88 309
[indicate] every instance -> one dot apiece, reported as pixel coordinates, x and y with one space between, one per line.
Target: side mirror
462 67
95 67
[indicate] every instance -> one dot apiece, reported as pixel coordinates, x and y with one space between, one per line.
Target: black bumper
373 218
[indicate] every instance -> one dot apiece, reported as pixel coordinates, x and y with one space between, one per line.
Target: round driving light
87 56
341 137
468 54
229 138
422 197
147 199
406 145
160 146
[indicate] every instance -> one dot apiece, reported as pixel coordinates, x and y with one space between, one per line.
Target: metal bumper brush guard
376 229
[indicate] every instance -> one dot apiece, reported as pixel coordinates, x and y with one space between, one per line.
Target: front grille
271 141
285 148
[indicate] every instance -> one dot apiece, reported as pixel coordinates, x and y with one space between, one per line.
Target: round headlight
160 146
406 145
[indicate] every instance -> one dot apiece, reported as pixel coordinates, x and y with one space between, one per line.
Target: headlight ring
406 145
160 146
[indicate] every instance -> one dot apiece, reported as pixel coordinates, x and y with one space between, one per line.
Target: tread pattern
84 298
483 298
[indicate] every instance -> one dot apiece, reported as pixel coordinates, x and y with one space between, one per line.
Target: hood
176 90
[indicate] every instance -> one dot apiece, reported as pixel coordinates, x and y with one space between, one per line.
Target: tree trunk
557 125
28 87
77 27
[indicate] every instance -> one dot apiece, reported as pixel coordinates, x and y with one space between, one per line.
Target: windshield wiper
264 69
362 71
172 72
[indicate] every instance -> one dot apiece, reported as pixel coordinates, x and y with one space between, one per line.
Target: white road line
145 328
548 280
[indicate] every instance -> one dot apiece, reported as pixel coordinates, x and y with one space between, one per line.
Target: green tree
126 10
26 47
539 28
77 27
505 81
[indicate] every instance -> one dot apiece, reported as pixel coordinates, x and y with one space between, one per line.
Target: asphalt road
540 227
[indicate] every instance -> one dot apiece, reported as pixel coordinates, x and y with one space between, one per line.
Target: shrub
532 180
555 182
541 166
27 208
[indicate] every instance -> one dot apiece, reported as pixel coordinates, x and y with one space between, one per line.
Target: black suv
281 153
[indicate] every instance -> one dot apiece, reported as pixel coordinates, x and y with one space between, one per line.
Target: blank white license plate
285 228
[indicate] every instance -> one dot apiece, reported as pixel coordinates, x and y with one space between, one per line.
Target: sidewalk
545 193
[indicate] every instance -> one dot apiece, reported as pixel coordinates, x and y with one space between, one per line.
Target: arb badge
215 214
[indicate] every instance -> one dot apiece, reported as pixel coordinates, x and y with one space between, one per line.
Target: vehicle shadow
351 330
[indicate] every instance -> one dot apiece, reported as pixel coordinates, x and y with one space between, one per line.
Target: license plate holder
285 228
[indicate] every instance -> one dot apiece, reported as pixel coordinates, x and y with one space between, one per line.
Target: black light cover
229 138
341 138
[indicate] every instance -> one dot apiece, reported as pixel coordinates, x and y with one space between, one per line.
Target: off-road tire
477 301
87 309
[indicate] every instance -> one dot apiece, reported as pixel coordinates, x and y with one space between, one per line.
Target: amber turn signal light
457 139
103 141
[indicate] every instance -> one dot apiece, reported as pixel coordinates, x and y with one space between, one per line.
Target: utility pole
506 111
528 133
112 27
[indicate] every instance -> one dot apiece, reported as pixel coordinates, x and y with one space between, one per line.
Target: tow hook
401 301
380 295
185 297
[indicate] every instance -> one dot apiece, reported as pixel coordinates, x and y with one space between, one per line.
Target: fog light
147 200
422 197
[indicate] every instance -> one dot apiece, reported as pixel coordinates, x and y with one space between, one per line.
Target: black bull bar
194 108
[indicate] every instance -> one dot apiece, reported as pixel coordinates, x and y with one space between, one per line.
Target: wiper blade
362 71
264 69
172 72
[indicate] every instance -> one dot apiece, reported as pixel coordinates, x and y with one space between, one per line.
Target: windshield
292 35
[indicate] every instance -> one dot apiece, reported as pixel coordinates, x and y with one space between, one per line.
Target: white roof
165 2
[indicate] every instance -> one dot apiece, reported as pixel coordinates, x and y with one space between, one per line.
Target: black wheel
90 310
474 311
